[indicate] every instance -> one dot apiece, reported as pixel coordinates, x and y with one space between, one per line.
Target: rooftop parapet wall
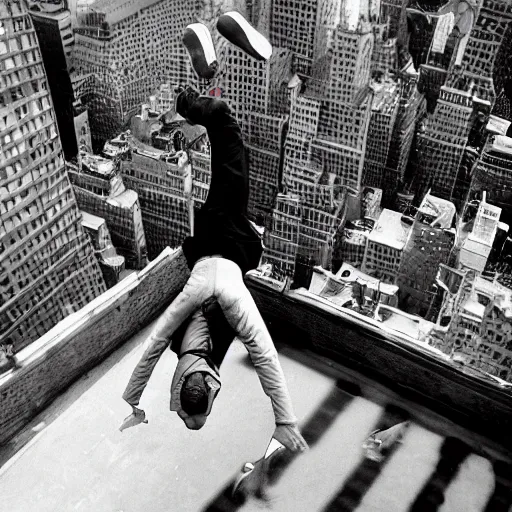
85 338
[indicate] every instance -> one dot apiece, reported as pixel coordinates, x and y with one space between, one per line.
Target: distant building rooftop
390 230
117 10
385 96
502 144
436 211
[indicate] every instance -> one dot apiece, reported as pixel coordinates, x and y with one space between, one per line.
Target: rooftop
73 456
390 230
439 210
502 144
117 10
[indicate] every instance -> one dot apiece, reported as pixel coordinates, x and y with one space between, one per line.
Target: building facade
47 266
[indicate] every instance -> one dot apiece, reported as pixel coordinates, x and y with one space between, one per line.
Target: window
17 94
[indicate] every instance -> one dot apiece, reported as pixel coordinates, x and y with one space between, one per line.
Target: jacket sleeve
242 314
142 372
271 376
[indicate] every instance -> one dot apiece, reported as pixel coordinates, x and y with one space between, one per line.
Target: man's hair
194 395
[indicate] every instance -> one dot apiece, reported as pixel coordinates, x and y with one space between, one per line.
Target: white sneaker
238 31
199 44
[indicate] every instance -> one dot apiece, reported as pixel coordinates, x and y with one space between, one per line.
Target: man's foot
238 31
199 44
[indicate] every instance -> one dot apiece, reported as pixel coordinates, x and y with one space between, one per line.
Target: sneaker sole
198 42
238 31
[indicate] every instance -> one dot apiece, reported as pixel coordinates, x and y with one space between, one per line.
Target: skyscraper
47 266
56 39
128 49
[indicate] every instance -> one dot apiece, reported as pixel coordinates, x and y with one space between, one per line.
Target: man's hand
289 436
136 417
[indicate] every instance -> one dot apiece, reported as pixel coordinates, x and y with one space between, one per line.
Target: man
224 247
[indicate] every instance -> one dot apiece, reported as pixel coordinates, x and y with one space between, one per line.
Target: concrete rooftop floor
72 457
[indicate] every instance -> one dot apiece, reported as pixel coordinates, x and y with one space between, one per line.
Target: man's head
194 394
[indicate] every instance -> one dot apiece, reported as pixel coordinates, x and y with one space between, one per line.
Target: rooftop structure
476 248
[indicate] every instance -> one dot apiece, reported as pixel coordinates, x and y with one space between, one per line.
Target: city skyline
349 131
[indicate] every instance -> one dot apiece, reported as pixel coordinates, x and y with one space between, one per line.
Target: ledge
412 369
83 339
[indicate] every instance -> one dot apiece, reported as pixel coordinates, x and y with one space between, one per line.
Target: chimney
144 112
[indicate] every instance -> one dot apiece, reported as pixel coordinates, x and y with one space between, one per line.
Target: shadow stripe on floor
313 430
363 477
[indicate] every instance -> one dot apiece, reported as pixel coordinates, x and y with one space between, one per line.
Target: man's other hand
289 436
136 417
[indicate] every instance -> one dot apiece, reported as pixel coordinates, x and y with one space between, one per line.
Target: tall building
384 111
52 22
429 244
164 183
337 100
47 266
480 333
408 111
128 48
281 241
292 26
492 175
258 95
99 190
476 56
440 147
477 246
385 245
469 84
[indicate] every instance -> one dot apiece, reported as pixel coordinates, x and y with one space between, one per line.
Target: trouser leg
229 188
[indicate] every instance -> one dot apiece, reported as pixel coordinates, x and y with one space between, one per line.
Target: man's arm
244 317
144 369
270 373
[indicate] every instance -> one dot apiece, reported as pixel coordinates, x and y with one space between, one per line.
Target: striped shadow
453 452
317 425
363 477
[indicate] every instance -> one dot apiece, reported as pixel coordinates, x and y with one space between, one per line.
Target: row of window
38 254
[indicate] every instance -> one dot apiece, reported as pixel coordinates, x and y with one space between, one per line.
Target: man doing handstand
223 248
